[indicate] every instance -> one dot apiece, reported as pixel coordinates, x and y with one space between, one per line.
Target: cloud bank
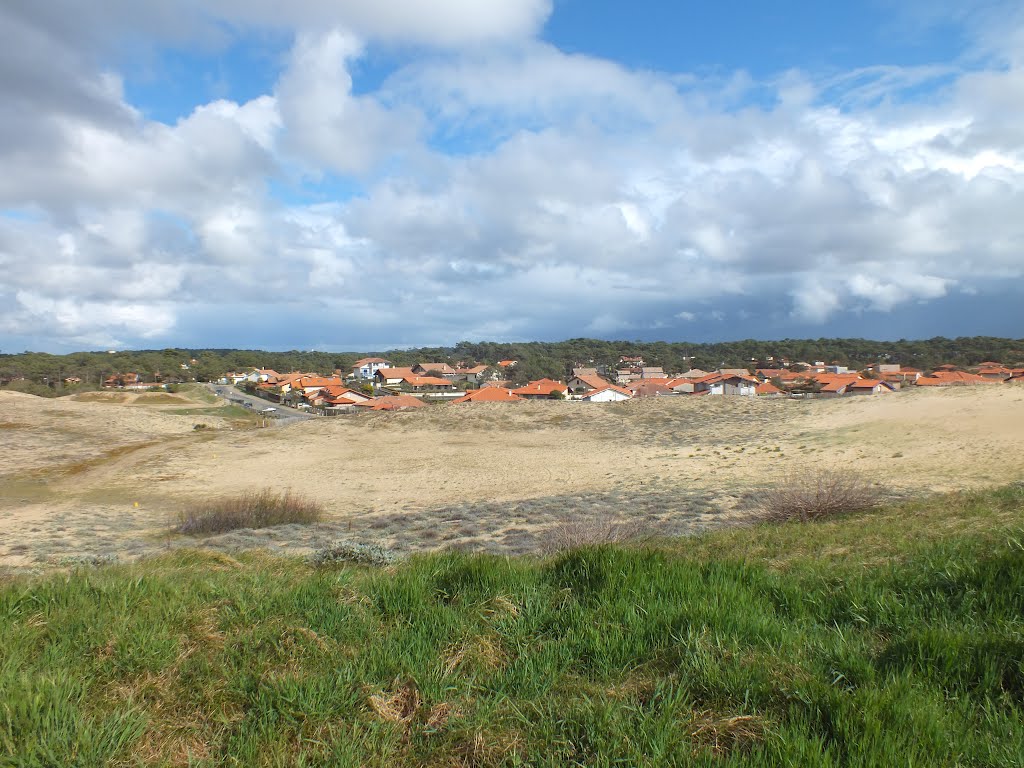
490 186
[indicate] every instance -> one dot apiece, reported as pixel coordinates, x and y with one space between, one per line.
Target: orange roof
767 388
593 381
439 367
612 387
367 361
649 388
946 378
506 363
395 373
317 381
476 369
489 395
541 387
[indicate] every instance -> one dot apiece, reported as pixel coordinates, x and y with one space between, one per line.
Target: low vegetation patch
258 509
352 552
889 638
818 494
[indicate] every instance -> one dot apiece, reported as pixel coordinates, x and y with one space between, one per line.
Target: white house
608 394
365 368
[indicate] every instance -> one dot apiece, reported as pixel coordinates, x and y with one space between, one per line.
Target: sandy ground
109 475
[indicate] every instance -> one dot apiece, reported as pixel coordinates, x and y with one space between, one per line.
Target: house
726 384
767 389
335 393
586 382
694 373
947 377
365 368
489 395
652 372
681 385
392 376
256 375
584 372
649 389
542 389
870 387
123 380
607 394
425 384
834 385
994 372
472 375
444 369
507 364
733 371
625 376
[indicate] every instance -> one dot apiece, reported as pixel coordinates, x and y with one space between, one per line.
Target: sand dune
91 473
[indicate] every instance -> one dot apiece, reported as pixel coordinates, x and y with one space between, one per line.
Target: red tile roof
592 381
541 387
649 388
489 395
620 390
394 373
948 378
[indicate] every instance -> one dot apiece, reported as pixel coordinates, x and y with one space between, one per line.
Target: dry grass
818 494
595 530
257 509
725 735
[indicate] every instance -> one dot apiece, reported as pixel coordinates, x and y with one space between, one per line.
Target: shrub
594 530
352 552
816 495
256 509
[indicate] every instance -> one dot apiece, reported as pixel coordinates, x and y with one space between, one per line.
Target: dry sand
109 474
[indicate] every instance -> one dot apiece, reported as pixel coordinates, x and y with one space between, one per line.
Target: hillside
888 638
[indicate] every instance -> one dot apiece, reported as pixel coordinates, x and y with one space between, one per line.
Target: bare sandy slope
74 471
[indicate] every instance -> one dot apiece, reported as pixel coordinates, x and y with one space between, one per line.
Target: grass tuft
257 509
594 530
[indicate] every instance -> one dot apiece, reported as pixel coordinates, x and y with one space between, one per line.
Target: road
282 415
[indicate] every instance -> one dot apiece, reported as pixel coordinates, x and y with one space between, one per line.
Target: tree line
44 373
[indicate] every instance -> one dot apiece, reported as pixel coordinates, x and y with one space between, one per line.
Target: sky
373 174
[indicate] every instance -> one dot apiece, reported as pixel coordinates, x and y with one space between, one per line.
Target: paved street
282 415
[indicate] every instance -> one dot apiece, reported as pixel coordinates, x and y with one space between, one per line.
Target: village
375 384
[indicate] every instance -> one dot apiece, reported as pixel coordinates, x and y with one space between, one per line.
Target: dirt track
74 470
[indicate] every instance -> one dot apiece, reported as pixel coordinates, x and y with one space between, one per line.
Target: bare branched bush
818 494
594 530
256 509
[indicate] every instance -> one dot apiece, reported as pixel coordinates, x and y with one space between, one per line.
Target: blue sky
347 174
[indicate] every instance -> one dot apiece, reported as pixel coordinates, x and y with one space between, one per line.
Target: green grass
885 639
